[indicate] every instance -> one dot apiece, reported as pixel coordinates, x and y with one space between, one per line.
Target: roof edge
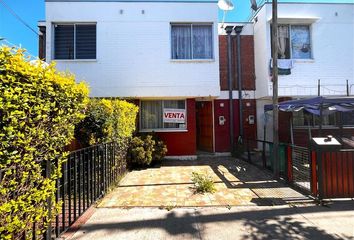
143 1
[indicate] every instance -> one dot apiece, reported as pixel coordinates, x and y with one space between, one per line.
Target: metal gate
335 173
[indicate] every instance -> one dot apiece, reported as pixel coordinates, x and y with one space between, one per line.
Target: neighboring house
162 55
316 49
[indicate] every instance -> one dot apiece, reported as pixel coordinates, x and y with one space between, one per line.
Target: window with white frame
75 41
294 42
163 114
191 41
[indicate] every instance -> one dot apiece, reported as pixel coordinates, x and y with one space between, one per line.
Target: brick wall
247 62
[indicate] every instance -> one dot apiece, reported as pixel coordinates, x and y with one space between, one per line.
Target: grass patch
203 183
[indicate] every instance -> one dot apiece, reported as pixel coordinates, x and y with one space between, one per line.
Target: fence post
248 150
75 184
69 187
313 168
264 155
57 196
63 195
48 234
290 164
321 156
102 171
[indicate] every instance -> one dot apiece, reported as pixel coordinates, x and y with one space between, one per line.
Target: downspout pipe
228 30
238 30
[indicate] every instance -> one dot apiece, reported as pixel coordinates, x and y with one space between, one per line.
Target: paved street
257 222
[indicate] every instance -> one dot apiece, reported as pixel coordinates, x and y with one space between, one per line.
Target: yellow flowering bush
39 108
107 120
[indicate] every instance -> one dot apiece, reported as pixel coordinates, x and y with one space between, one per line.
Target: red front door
204 120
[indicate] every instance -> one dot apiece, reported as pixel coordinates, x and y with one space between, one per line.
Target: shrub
160 148
107 120
39 108
147 148
203 183
160 151
141 150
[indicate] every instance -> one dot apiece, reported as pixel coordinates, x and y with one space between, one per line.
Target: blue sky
33 10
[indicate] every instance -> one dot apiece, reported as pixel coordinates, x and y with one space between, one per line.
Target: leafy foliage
39 108
147 148
203 183
107 120
141 150
160 149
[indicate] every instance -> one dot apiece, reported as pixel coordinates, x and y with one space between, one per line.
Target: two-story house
163 55
316 54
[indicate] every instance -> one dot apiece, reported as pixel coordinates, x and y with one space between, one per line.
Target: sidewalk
335 221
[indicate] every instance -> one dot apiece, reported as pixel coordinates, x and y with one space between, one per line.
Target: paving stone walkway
237 182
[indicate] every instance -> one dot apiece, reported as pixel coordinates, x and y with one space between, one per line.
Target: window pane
300 42
151 114
86 41
175 104
283 42
202 42
298 118
181 41
329 120
64 41
348 118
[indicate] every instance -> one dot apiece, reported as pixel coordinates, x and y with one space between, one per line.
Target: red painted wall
222 132
182 143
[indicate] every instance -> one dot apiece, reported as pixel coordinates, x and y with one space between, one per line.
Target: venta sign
174 115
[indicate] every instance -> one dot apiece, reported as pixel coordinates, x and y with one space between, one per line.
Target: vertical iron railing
294 164
323 173
86 176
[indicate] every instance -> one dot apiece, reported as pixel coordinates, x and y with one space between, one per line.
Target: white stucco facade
134 48
332 46
332 50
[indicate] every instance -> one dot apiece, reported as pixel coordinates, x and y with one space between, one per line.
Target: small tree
39 108
108 120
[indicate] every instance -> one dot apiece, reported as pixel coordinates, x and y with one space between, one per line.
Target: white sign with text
171 115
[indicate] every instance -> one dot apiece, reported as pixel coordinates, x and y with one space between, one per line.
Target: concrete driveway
237 182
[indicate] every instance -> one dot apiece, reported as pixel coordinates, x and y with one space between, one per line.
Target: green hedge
108 120
39 108
146 149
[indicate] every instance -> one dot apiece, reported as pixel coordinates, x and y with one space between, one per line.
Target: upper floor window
191 41
294 42
75 41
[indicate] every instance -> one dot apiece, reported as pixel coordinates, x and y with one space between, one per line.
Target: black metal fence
87 175
300 168
322 172
294 164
